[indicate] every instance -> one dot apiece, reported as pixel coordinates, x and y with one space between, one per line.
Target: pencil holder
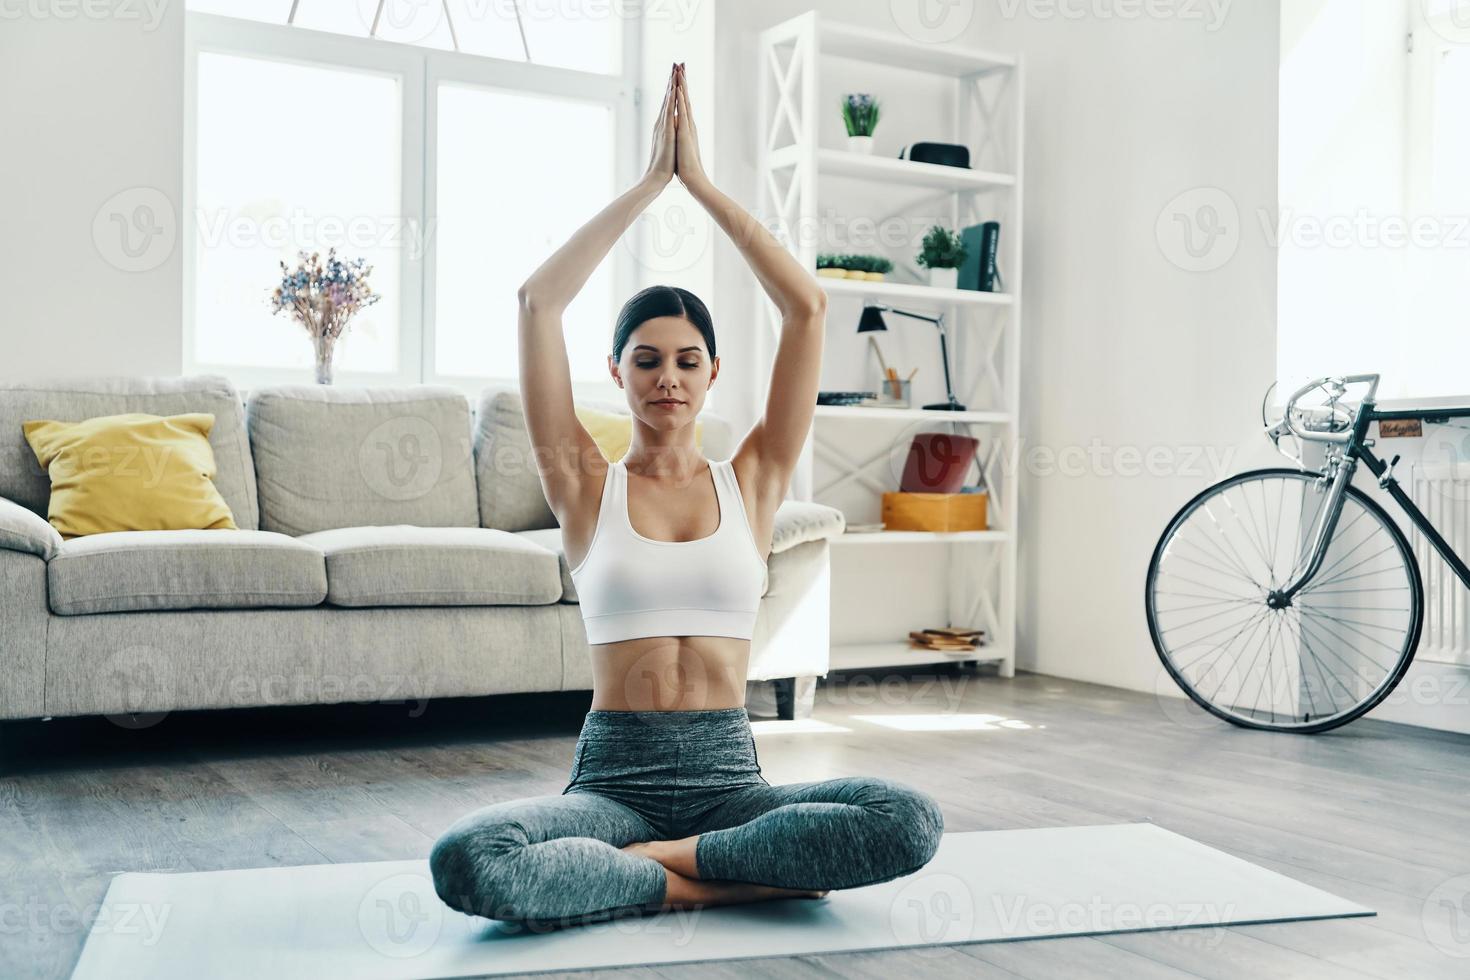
893 394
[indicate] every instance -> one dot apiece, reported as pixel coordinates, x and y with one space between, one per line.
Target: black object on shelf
872 319
979 271
844 397
944 154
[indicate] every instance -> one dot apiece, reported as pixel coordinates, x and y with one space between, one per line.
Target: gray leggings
666 775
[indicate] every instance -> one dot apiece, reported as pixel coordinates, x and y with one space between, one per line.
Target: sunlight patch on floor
945 722
775 726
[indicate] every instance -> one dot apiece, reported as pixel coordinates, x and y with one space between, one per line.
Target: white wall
1134 341
1123 348
92 109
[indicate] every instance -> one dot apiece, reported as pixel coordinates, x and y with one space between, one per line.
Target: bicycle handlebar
1338 387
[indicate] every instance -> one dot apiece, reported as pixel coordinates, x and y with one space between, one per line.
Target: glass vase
324 352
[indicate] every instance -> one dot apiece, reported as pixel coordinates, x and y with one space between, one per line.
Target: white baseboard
1433 694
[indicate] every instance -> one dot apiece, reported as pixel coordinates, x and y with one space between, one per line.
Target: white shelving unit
795 175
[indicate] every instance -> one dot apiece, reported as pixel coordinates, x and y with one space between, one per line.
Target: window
1437 273
362 124
585 35
1373 229
491 237
254 208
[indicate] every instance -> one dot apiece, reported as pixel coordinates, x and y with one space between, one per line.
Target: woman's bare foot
688 889
644 848
675 855
684 893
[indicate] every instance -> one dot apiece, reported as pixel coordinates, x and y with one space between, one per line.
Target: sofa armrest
800 521
23 530
23 622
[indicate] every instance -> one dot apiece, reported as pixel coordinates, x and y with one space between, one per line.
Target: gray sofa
394 544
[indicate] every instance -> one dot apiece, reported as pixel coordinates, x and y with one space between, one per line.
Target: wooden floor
1373 812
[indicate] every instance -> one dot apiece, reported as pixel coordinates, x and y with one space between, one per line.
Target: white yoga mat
382 921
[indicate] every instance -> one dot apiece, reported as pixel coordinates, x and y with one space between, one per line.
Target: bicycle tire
1416 605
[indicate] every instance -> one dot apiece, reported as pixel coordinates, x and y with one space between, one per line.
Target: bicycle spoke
1221 531
1334 635
1306 675
1371 639
1339 577
1222 680
1211 568
1246 531
1266 673
1259 613
1256 598
1321 667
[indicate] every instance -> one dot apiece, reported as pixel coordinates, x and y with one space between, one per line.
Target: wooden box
934 511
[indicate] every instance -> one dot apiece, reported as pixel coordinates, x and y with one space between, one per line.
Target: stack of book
947 639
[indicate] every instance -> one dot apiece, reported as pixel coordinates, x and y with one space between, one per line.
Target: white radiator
1442 492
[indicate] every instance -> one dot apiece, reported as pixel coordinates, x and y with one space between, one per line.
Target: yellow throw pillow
130 473
613 431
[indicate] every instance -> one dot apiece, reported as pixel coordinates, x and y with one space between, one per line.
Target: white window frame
419 71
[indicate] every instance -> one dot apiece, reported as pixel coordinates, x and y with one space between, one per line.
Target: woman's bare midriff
670 673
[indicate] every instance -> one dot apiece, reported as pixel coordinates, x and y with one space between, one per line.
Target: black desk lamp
872 319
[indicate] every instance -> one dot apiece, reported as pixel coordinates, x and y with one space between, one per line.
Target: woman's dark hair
657 301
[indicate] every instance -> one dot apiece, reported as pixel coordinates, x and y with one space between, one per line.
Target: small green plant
860 114
942 249
854 262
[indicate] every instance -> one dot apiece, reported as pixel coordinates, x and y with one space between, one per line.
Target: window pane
271 11
487 28
502 212
291 156
581 34
353 17
1438 292
420 22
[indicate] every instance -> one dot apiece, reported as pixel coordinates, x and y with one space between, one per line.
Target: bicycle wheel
1337 650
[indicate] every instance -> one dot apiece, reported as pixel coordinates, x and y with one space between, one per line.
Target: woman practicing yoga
666 806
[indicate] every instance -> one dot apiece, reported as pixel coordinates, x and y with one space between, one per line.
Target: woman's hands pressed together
661 157
675 147
687 163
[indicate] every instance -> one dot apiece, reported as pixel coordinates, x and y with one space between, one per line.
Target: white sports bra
631 586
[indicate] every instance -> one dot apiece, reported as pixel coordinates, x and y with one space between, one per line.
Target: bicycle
1343 619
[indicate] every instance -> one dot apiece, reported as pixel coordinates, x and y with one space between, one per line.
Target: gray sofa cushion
330 457
134 570
22 530
225 658
435 566
73 400
511 498
550 539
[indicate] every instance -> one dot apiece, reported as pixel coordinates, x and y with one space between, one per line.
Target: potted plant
829 266
943 253
323 298
860 115
856 266
878 268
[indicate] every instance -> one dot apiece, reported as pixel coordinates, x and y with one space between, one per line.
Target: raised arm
560 443
774 442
